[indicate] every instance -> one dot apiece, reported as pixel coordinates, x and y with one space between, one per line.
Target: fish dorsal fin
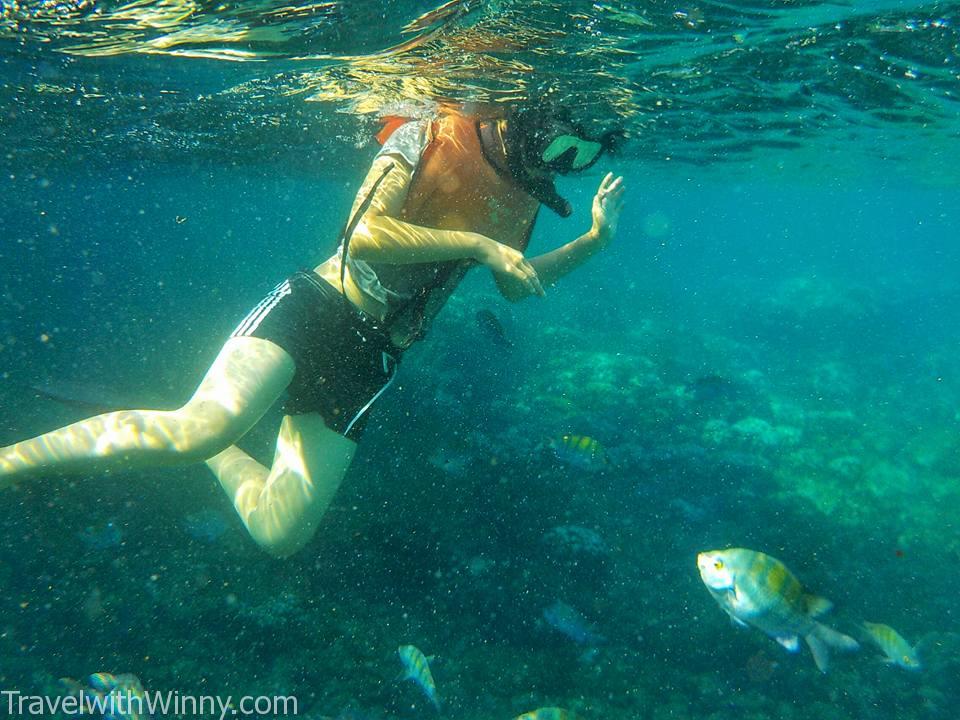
817 606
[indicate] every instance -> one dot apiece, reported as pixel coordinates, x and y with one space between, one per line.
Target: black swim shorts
344 359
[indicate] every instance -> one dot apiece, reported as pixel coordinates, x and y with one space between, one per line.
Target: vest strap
352 225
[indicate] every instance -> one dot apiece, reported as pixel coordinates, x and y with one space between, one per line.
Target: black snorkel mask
538 148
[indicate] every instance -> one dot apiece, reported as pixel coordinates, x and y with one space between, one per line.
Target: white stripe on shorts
387 357
252 321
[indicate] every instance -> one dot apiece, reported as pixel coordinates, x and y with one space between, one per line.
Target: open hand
607 205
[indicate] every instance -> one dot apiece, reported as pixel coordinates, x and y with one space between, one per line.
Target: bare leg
245 379
281 507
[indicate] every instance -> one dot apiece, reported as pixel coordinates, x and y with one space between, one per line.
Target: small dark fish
101 537
205 525
568 621
492 328
713 388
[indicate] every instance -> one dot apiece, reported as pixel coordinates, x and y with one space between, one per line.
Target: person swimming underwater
443 195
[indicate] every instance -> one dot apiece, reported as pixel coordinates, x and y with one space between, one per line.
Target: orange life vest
454 187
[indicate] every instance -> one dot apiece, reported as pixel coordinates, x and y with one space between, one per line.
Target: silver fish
758 590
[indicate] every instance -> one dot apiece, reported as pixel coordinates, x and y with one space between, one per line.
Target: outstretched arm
551 266
382 237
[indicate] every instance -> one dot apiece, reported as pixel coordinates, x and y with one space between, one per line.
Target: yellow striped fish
898 651
758 590
116 697
547 713
416 667
580 451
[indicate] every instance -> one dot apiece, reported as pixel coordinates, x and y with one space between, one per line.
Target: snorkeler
442 196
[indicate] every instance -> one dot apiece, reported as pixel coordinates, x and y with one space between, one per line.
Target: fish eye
718 564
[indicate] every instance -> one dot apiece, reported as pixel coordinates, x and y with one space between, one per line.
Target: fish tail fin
821 653
836 640
823 639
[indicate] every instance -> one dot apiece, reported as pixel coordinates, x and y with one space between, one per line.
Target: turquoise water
766 352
